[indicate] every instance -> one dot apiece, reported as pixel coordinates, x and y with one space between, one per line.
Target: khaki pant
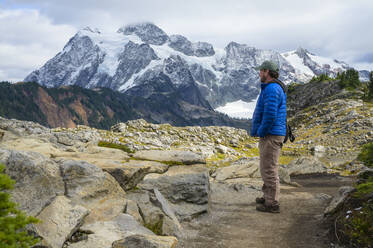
270 148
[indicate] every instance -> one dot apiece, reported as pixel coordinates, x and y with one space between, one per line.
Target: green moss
155 227
176 143
286 159
364 189
217 160
366 155
215 157
359 227
115 146
170 163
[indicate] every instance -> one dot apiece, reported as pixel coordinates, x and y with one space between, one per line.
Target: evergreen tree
12 221
370 85
349 79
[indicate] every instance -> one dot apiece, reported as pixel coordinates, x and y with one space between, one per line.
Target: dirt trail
233 222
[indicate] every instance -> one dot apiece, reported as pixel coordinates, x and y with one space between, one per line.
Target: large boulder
91 187
338 200
306 165
102 234
38 179
133 209
185 187
156 212
171 156
129 174
146 241
59 221
23 128
247 168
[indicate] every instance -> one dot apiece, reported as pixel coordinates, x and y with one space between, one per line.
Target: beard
263 79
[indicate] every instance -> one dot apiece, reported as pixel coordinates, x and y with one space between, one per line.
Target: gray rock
338 199
169 156
246 169
153 216
185 187
104 233
146 241
318 150
133 58
221 149
203 49
181 44
167 209
133 210
38 179
89 186
306 165
59 221
65 139
284 176
129 174
147 32
120 127
23 127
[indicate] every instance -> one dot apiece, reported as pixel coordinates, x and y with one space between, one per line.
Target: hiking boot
260 200
269 209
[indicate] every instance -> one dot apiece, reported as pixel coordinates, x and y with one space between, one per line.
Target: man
269 123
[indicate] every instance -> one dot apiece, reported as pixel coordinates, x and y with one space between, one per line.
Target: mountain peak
302 52
148 32
92 30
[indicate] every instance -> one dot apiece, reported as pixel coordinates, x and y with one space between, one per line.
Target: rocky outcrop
247 168
38 179
199 49
59 221
94 189
161 222
129 174
185 187
176 157
104 233
306 165
147 32
338 200
146 241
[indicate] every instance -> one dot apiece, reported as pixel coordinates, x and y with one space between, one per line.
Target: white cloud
28 40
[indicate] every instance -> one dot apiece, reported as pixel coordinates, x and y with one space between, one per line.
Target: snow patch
239 109
112 44
208 63
297 62
326 61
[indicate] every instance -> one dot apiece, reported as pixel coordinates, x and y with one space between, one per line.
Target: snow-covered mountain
308 65
140 52
136 54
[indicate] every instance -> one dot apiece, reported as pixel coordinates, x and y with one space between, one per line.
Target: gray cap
268 65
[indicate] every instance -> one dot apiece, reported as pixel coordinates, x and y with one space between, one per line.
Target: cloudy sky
33 31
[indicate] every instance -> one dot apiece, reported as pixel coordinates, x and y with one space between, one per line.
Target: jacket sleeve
257 116
254 126
271 99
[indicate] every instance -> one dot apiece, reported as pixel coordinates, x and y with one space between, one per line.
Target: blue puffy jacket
269 116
